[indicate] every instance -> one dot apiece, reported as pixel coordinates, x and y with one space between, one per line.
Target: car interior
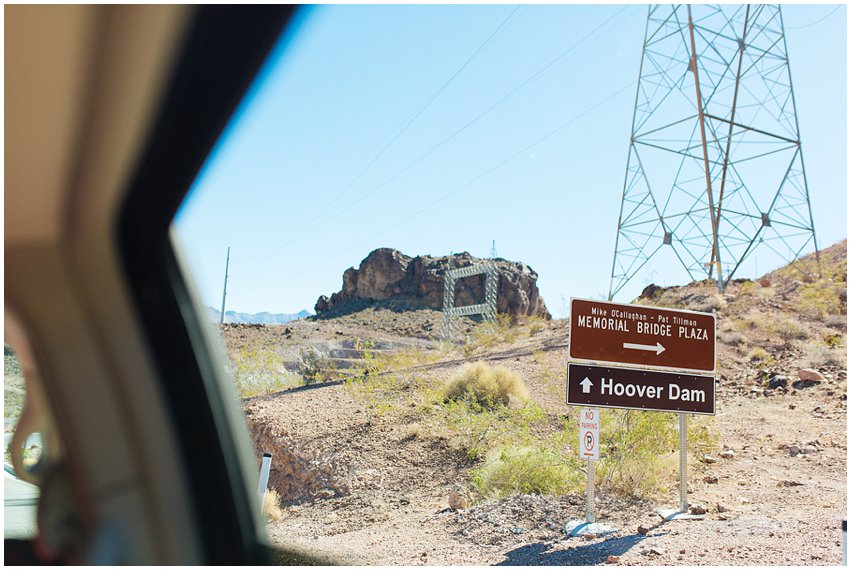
110 113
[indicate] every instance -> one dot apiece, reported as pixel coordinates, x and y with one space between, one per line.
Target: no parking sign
589 434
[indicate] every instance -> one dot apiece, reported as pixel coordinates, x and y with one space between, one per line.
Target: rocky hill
369 468
389 275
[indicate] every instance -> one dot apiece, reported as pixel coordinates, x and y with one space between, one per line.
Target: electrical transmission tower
715 169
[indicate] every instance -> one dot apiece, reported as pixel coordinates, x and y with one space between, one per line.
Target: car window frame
223 50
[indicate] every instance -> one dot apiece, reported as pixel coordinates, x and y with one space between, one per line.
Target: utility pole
225 289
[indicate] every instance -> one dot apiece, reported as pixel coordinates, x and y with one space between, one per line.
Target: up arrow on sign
586 385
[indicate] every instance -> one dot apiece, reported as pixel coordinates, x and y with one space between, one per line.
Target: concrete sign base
579 527
675 515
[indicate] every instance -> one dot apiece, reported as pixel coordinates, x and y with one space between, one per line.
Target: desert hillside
376 461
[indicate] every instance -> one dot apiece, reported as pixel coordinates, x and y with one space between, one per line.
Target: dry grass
413 431
530 469
760 357
753 320
732 338
817 355
486 385
706 303
272 505
788 328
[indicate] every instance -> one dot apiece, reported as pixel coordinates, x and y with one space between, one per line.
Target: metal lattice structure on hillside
715 169
487 309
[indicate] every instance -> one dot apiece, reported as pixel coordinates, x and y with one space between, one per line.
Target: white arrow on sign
586 385
658 348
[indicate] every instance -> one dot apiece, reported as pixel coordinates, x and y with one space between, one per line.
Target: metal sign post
590 515
589 450
683 459
682 512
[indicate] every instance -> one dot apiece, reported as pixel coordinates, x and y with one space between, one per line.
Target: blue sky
418 128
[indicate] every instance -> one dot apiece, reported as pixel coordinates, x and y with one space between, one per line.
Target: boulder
777 381
651 291
389 275
810 375
460 498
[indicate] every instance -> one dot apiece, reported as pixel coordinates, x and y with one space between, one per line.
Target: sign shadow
592 554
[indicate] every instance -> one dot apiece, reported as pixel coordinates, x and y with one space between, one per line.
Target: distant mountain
264 318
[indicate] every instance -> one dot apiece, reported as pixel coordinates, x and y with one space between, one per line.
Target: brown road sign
635 334
631 388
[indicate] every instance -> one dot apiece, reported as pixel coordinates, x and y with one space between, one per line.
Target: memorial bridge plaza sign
606 332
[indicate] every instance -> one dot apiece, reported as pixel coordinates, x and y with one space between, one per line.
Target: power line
483 174
586 39
408 122
819 21
535 76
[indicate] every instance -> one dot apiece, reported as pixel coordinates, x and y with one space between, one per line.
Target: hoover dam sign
636 389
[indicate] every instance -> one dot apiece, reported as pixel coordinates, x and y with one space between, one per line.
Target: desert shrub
639 455
486 385
760 356
272 505
817 355
475 429
833 340
313 365
753 320
638 451
413 431
490 334
389 381
377 392
747 288
535 469
707 303
731 337
819 299
788 328
259 371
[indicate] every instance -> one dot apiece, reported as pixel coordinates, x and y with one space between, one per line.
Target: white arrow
586 385
658 348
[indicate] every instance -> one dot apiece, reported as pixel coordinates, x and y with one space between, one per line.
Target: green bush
639 451
477 429
820 299
258 371
488 386
788 328
314 365
530 469
817 355
760 357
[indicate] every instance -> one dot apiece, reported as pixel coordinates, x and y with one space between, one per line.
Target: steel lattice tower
715 169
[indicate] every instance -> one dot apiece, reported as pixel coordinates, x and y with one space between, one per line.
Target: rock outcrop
389 275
